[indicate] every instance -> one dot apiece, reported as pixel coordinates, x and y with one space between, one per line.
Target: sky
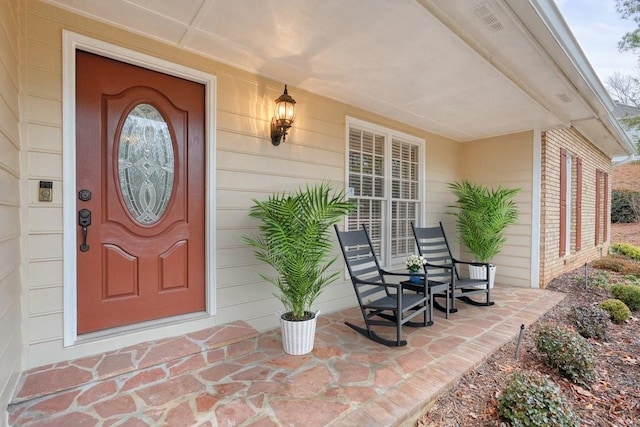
598 28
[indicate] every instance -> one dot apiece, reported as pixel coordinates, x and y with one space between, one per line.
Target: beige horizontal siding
45 273
44 54
45 219
45 138
10 217
45 246
45 300
443 167
46 84
44 327
507 161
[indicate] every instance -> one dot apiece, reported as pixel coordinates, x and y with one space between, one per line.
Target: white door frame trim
70 43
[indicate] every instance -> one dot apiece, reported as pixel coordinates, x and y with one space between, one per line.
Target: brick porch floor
231 375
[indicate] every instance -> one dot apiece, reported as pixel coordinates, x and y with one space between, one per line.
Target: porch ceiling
461 69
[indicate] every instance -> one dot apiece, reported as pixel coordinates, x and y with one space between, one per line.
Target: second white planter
480 273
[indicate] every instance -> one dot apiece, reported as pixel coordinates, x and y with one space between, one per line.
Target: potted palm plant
482 215
294 238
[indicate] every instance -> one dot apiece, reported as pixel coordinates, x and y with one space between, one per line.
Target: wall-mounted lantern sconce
282 118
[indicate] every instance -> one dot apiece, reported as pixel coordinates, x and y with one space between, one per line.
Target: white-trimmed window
384 176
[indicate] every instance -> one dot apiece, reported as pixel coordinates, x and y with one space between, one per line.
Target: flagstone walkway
231 375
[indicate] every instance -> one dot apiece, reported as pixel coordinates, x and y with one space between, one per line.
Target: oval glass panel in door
146 164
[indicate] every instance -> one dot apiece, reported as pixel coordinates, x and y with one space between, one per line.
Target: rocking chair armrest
425 281
424 276
383 284
443 266
393 273
474 263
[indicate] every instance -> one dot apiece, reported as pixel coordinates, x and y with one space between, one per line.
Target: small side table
433 288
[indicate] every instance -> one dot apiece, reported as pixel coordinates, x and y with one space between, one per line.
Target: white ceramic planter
480 273
298 336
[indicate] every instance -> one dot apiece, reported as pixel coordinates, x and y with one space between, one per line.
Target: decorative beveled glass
146 164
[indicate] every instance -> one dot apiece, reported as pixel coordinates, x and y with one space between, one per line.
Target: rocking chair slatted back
442 267
433 245
357 247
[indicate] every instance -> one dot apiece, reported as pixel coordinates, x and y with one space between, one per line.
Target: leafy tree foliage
630 9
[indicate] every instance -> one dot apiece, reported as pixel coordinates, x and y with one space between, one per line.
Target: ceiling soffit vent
483 11
564 98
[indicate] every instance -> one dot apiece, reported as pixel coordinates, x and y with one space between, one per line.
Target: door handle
84 221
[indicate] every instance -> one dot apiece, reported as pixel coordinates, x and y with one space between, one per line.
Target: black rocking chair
442 267
375 296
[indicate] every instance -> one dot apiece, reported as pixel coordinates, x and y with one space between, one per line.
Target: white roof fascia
618 161
599 98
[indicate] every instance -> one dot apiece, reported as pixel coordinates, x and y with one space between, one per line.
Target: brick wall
551 263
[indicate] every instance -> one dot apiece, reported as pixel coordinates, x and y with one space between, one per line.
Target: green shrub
568 351
618 310
600 279
628 294
632 279
627 249
529 399
590 321
625 206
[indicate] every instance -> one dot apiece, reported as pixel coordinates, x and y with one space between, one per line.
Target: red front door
140 194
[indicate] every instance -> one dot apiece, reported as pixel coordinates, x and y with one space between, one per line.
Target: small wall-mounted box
45 191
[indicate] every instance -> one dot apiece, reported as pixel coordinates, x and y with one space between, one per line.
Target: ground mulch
626 233
612 400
